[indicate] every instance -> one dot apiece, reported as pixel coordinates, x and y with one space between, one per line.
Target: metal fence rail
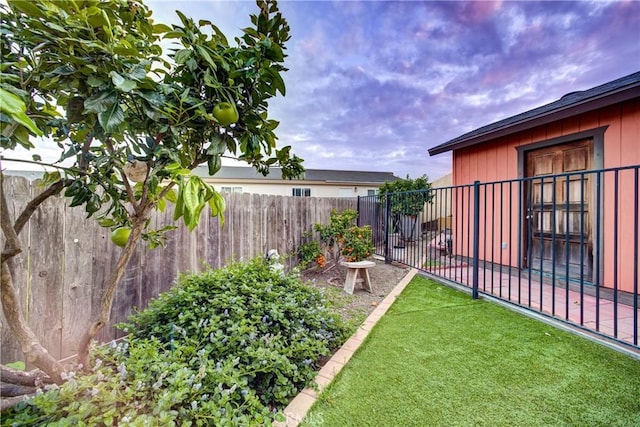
565 245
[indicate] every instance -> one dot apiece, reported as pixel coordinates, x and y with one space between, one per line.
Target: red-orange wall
498 160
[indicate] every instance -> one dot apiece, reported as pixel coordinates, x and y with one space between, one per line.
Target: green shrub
223 347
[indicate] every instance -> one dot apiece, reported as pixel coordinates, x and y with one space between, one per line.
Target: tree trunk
33 350
110 290
35 378
8 402
13 390
31 347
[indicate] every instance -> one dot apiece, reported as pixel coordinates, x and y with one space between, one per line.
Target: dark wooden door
558 214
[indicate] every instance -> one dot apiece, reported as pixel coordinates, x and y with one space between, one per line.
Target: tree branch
8 402
35 378
82 163
12 245
31 207
31 347
125 181
110 288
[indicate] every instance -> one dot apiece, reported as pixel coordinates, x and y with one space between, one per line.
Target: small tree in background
340 239
407 198
89 76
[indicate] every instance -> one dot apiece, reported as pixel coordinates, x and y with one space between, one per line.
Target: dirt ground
384 277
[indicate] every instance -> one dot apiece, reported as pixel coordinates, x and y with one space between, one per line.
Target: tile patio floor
596 314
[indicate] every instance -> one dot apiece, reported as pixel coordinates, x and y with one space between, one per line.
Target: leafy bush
223 347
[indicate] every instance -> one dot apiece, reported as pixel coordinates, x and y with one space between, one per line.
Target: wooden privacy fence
66 258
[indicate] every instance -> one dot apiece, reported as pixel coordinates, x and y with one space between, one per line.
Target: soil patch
355 308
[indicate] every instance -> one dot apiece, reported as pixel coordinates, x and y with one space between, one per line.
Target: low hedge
223 347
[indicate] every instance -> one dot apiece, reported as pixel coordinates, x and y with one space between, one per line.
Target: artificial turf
439 358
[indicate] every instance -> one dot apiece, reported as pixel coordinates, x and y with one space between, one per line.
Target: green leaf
182 55
101 101
161 28
11 103
217 205
171 196
202 51
25 121
112 118
49 178
125 51
93 81
107 222
27 7
217 147
190 195
15 108
278 83
97 17
215 164
122 83
173 35
63 70
177 213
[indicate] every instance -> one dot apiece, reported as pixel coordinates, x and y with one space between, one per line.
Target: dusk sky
373 85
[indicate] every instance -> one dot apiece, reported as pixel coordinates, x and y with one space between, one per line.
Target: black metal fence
565 246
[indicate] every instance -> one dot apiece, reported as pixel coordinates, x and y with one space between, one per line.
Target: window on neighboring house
372 192
301 192
231 189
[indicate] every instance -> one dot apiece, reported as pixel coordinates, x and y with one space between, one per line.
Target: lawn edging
300 405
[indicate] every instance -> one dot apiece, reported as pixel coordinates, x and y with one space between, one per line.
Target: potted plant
406 198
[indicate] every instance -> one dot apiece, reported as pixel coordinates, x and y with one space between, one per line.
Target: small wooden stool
357 273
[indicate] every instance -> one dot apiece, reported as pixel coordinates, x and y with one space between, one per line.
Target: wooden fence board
79 289
68 258
18 192
46 264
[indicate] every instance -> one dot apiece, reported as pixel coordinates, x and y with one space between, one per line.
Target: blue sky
372 85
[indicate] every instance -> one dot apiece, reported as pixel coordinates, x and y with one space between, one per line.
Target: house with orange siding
560 187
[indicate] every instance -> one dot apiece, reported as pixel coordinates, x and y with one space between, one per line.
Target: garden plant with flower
339 240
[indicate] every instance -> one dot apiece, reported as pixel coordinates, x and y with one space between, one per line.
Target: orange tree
340 238
131 124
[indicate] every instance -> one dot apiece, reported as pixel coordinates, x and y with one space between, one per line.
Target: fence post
387 214
476 237
358 209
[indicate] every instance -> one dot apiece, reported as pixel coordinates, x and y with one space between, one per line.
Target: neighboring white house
316 182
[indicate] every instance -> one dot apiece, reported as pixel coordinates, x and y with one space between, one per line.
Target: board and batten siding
66 258
497 160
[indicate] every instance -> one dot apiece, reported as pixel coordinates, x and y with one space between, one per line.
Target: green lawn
439 358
